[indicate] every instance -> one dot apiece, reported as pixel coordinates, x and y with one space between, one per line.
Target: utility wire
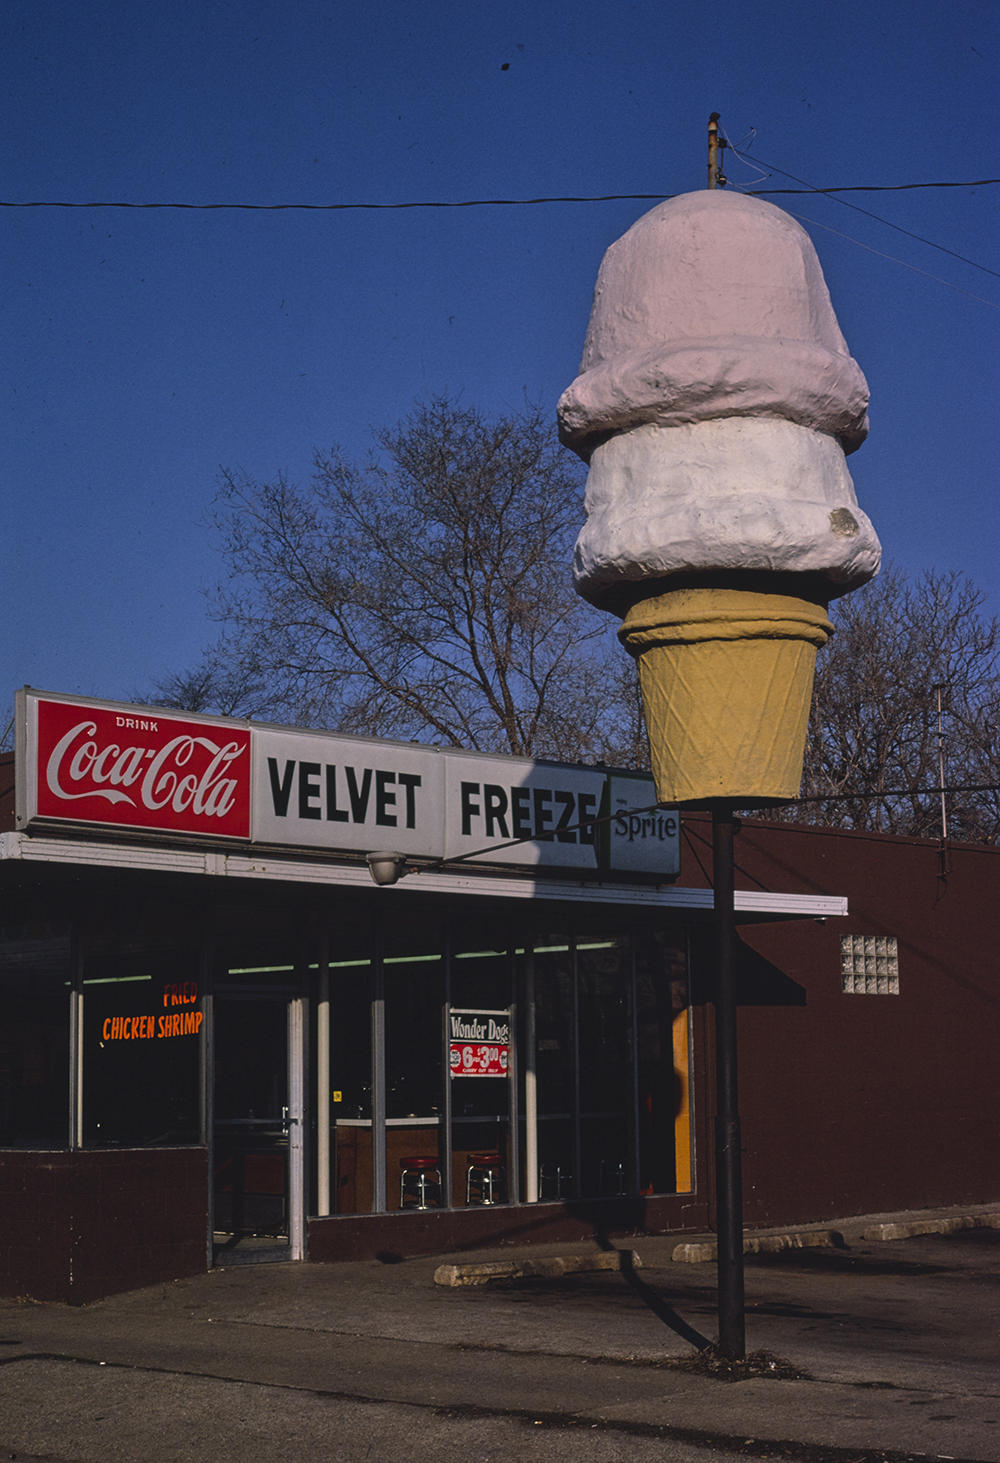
865 187
858 209
478 202
771 803
754 192
895 260
908 792
599 198
346 207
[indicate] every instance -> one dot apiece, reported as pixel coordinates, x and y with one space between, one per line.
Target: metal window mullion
297 1035
575 1091
692 1136
76 1049
444 1143
634 1155
530 1077
513 1104
378 1078
206 1092
206 1085
323 1077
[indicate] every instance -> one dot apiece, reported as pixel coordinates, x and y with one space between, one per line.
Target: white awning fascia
751 904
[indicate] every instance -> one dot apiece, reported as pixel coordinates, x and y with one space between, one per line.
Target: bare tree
217 684
425 595
422 594
873 734
625 739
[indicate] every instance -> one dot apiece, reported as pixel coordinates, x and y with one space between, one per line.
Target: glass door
258 1111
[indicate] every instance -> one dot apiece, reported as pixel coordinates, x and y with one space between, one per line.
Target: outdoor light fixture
386 867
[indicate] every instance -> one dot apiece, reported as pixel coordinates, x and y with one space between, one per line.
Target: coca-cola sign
115 765
98 764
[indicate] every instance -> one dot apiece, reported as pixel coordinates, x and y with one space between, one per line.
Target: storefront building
217 1031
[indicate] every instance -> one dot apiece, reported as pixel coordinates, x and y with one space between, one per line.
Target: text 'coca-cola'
97 765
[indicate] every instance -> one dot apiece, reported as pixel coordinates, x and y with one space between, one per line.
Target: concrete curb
762 1244
549 1269
911 1228
706 1251
699 1252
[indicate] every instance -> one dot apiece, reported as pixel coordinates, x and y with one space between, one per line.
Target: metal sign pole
728 1164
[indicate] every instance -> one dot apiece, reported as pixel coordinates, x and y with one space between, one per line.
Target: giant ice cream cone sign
716 404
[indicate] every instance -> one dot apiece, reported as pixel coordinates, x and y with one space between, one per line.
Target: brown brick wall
80 1225
853 1104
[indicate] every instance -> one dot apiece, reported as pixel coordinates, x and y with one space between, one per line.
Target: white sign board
322 791
99 763
489 803
640 837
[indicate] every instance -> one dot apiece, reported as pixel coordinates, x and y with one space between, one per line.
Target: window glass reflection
413 973
350 973
662 1062
603 986
35 987
350 986
555 1064
142 1023
480 1105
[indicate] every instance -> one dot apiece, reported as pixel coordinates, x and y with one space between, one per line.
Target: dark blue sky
144 350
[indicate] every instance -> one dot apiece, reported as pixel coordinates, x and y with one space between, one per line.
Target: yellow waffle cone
726 677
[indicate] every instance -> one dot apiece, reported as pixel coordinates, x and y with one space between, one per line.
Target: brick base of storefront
89 1223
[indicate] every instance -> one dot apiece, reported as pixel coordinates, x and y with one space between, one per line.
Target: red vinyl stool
485 1171
416 1175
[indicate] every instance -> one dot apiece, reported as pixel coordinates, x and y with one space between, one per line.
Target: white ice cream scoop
715 404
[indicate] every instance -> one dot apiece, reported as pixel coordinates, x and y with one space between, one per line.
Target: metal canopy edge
752 905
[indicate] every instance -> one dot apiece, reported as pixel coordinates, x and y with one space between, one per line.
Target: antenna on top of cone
715 146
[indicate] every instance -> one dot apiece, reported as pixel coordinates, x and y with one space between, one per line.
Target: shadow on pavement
663 1311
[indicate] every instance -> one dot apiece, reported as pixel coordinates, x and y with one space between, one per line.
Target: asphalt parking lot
872 1350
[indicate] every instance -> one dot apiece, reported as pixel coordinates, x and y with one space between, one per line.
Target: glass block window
869 965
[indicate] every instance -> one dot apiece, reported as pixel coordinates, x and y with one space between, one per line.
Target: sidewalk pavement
875 1349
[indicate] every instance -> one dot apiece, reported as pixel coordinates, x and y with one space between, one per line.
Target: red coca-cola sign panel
97 764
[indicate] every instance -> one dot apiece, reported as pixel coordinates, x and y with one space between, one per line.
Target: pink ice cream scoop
715 404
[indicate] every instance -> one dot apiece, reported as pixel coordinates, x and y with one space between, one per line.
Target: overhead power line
894 259
347 207
877 217
871 796
467 202
869 187
598 198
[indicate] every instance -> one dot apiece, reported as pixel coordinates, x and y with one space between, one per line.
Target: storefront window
142 1022
413 967
350 990
599 1046
35 987
480 1035
550 976
350 994
662 1013
603 987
